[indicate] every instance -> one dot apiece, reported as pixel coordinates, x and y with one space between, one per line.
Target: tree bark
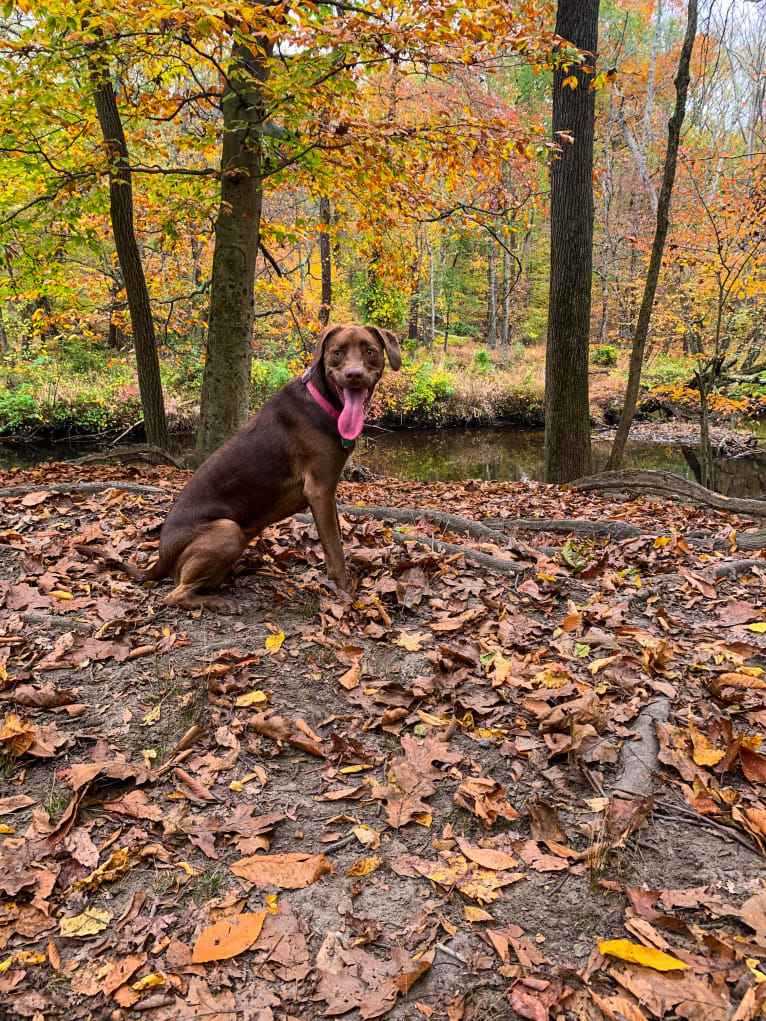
225 397
325 260
658 245
432 294
491 296
131 267
505 325
567 412
414 309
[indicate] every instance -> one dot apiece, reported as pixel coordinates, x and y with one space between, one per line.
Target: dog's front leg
321 500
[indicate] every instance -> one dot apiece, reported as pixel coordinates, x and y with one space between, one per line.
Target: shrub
481 362
17 409
605 355
464 330
266 378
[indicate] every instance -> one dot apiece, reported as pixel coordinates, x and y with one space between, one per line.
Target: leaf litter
418 805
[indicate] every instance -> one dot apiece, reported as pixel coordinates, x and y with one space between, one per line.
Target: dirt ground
433 802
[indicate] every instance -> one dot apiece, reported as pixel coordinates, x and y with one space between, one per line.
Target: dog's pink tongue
352 417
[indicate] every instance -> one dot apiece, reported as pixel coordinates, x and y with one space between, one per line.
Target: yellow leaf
155 979
236 785
364 866
637 954
151 717
254 697
186 867
274 642
755 969
6 829
473 914
662 540
704 753
429 719
91 921
358 768
599 664
411 640
61 593
271 904
759 628
114 866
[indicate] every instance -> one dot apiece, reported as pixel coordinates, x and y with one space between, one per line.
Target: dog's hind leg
204 564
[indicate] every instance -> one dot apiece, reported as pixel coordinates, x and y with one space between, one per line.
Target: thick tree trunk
567 412
131 267
325 260
225 398
655 261
491 296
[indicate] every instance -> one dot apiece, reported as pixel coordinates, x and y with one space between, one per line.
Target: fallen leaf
91 921
638 954
228 937
289 871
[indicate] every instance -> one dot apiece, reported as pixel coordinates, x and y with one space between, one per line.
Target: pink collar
323 403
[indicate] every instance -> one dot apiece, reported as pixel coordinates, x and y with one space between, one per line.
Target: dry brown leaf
288 871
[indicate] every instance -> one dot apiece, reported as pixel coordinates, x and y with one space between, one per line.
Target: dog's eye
335 354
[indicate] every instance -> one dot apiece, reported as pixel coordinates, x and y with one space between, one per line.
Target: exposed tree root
639 761
483 559
85 487
670 486
143 453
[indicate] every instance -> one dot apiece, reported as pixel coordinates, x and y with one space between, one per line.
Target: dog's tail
154 573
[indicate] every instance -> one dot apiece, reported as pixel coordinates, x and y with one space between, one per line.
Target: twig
681 816
338 844
126 431
451 953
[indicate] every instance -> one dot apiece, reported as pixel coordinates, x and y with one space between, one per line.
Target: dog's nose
353 375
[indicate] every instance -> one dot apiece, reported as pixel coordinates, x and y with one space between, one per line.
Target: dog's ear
324 336
390 343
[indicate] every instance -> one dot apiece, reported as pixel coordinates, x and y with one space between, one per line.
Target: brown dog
288 457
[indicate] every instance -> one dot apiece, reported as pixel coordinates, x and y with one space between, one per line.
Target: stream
439 455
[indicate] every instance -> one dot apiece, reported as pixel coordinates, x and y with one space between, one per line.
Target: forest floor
436 802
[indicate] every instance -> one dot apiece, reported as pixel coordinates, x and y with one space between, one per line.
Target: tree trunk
325 260
432 291
491 297
121 213
655 261
567 412
225 398
507 288
414 309
606 227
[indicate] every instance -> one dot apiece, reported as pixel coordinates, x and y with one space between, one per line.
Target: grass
57 803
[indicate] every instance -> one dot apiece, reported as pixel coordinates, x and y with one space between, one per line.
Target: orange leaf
227 938
290 871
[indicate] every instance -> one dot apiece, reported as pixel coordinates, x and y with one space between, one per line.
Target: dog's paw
222 604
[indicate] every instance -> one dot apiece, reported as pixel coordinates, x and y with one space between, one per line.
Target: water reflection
515 455
453 455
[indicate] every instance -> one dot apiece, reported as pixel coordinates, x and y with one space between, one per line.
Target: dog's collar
325 405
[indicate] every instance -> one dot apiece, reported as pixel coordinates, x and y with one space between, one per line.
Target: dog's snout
353 374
